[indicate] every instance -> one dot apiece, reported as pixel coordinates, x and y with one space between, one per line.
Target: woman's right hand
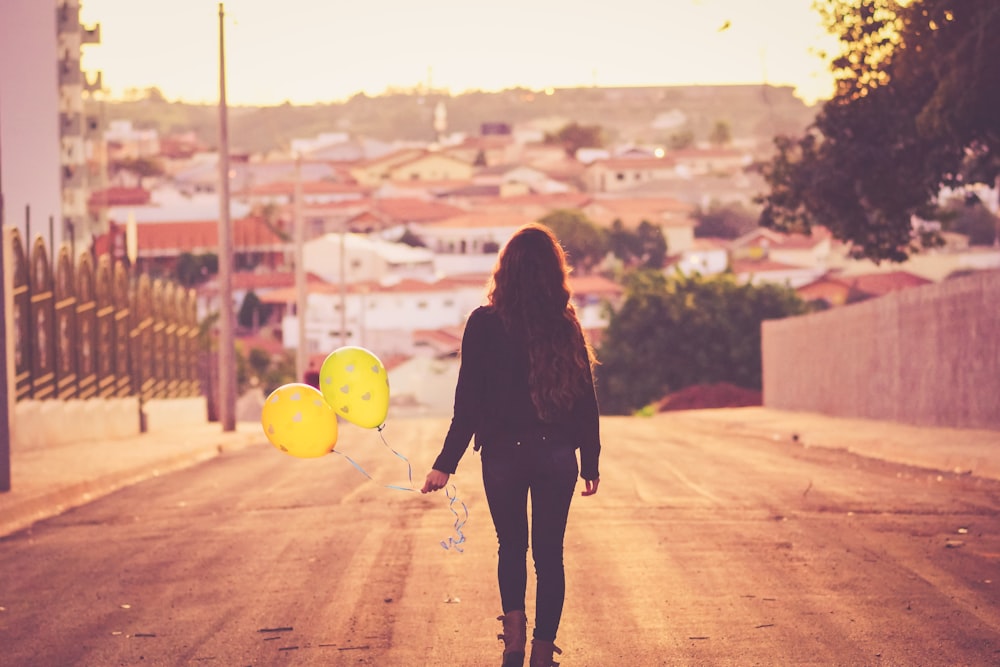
590 486
435 480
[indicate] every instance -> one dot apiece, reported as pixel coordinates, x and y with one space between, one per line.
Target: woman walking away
526 392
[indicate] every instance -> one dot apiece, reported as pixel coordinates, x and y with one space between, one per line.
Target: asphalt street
706 545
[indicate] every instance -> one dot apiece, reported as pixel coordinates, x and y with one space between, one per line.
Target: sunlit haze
308 51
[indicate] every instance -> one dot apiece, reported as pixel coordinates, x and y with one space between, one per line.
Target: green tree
721 221
141 167
970 217
652 245
622 243
681 140
252 311
191 270
584 242
682 331
721 134
914 109
575 136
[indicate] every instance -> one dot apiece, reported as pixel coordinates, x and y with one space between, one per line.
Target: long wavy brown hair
529 290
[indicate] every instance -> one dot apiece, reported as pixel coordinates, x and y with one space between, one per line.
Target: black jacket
493 402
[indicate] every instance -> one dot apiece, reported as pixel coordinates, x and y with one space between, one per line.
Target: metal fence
90 328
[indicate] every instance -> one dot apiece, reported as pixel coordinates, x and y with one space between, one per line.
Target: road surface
703 547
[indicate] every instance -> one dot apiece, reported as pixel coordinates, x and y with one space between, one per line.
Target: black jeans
549 472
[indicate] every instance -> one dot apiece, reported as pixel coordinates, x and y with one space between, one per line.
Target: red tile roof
157 238
758 266
635 163
309 188
594 285
878 284
409 209
483 219
119 196
245 280
781 241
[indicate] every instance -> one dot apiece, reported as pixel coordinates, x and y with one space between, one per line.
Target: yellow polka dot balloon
355 384
298 421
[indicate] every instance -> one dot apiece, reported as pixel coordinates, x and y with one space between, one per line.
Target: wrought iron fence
91 329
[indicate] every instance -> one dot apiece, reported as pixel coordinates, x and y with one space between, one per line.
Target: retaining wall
928 356
55 423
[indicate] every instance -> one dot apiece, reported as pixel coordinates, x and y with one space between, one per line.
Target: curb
20 511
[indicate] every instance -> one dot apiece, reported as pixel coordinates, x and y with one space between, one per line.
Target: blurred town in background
405 199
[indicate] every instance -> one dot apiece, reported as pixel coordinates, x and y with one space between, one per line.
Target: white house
795 249
706 257
620 174
365 259
468 243
167 204
380 316
760 271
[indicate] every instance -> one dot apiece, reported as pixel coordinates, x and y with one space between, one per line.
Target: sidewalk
46 481
962 451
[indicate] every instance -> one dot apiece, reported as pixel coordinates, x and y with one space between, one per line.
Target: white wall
384 321
29 115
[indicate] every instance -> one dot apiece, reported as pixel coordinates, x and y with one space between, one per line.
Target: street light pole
4 386
301 291
227 343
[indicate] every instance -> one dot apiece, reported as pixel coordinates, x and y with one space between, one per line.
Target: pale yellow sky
307 51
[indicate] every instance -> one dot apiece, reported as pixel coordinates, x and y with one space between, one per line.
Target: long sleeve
587 421
470 395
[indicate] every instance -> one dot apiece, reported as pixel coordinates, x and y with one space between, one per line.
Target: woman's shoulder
484 314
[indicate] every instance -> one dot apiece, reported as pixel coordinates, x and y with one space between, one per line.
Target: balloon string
353 463
409 468
460 519
364 472
454 542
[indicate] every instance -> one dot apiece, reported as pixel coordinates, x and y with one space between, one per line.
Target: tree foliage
914 110
587 245
141 167
192 270
584 242
721 134
968 216
724 221
575 136
253 312
671 333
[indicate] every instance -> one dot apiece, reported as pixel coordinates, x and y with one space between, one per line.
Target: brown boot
515 625
541 653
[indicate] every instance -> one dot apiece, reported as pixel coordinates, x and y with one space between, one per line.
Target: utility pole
301 291
4 386
343 283
227 343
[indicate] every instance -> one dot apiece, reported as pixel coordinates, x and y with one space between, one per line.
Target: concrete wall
927 356
55 423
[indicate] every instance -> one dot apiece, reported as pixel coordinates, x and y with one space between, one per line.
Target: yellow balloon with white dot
297 420
355 384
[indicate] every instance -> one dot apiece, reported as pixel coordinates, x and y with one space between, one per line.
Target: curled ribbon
460 519
458 539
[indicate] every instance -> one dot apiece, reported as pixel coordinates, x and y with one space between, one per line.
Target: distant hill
651 114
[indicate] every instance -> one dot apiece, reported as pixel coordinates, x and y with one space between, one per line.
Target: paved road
703 547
